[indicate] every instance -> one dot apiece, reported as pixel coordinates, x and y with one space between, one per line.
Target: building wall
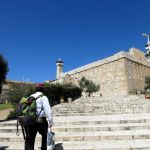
116 75
136 73
110 76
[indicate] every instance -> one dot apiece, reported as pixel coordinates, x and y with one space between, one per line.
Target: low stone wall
4 94
6 87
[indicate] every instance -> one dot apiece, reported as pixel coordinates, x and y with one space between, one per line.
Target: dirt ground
4 113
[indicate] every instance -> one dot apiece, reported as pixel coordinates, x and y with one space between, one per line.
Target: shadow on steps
58 146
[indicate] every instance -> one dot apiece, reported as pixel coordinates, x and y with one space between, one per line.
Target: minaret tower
59 64
147 46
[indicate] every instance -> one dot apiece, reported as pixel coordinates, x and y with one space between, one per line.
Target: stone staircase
100 106
96 123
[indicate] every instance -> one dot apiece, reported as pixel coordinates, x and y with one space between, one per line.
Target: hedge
54 92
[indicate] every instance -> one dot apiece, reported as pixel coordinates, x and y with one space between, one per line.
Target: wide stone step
129 105
71 130
99 107
12 137
99 119
19 145
103 135
102 127
108 145
137 144
104 105
98 113
87 127
86 136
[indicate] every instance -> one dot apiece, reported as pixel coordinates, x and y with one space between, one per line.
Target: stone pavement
127 128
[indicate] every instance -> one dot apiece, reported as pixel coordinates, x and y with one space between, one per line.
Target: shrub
19 90
15 93
88 86
147 86
12 115
133 92
55 91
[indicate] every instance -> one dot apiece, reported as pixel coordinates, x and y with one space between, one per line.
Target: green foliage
6 106
147 82
18 90
55 91
133 92
88 86
3 71
71 91
12 115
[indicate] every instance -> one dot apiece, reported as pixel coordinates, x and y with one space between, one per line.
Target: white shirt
43 107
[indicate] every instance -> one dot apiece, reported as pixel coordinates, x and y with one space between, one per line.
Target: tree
147 82
3 70
88 86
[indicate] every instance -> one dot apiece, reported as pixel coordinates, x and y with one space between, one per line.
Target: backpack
27 112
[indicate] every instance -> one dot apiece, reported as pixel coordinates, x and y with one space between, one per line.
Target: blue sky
35 33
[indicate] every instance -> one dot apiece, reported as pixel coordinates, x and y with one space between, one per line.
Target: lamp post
147 46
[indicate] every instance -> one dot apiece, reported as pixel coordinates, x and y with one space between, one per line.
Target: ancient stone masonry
116 75
6 87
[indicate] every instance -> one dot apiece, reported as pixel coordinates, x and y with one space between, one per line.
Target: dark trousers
31 132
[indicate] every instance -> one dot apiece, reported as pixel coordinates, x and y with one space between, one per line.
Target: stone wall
6 87
4 94
116 75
